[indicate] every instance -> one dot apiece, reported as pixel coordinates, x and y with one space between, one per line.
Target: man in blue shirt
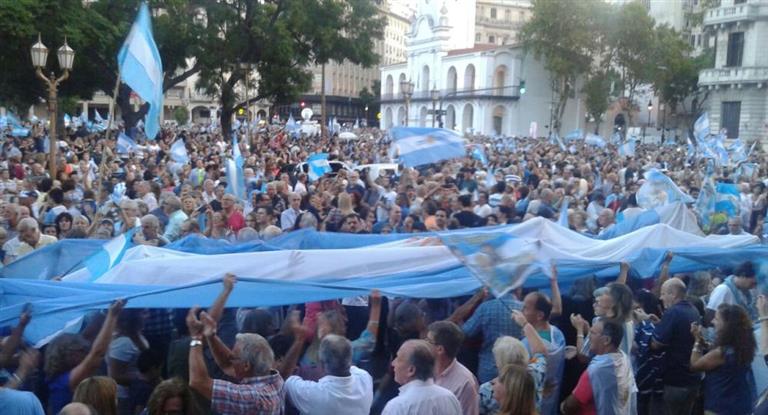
673 335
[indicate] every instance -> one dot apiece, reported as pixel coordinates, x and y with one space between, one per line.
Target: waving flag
659 190
318 166
479 154
727 199
235 173
126 145
419 146
558 141
595 140
627 149
576 134
701 127
179 151
142 70
562 219
357 124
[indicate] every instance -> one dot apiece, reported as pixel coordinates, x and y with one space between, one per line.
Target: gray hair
336 355
247 234
256 351
150 220
27 223
173 202
508 350
129 204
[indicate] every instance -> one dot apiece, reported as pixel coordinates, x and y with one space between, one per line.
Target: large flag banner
727 199
142 70
419 146
576 134
318 166
109 255
595 140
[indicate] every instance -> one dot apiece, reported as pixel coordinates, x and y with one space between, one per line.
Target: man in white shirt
414 368
344 390
144 190
288 217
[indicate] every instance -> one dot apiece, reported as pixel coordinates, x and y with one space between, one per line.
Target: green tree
181 115
597 94
562 34
280 39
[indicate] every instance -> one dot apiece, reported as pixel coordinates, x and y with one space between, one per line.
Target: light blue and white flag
142 69
126 144
318 166
558 141
109 255
291 126
97 117
627 149
235 173
357 124
727 199
67 120
19 132
737 151
420 146
659 190
179 152
701 128
595 140
562 219
748 170
576 134
691 150
616 138
479 154
83 119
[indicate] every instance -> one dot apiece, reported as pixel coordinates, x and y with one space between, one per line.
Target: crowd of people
682 345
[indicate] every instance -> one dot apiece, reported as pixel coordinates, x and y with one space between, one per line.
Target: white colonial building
478 86
738 84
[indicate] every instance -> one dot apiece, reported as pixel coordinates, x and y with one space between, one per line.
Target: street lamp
435 96
406 88
650 108
39 58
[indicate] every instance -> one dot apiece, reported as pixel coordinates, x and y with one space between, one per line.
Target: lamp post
435 94
247 74
406 88
650 108
39 58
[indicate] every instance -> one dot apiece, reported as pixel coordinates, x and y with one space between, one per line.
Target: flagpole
109 129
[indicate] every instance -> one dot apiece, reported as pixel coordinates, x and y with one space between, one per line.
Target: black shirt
674 332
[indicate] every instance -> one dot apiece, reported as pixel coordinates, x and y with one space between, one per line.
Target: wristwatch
195 342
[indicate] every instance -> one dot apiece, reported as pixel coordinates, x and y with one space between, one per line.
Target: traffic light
522 87
241 111
302 104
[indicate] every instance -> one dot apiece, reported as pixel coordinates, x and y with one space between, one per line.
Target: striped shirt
261 395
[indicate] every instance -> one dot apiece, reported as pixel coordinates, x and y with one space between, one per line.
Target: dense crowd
682 345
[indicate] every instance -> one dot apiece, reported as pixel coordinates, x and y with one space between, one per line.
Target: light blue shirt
173 230
13 402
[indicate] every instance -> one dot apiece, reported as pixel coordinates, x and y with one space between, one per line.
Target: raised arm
221 353
663 274
199 380
292 356
557 299
217 309
375 313
95 356
465 310
534 340
623 273
12 342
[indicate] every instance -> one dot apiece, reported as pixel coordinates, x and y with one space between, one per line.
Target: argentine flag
701 127
109 255
142 70
595 140
419 146
125 144
479 154
179 152
318 166
727 199
627 149
235 173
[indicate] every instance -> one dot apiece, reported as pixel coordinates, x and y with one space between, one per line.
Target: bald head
672 291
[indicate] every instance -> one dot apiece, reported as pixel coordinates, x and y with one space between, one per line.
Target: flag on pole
727 199
142 70
562 219
357 124
318 166
235 172
419 146
179 151
479 154
701 127
627 149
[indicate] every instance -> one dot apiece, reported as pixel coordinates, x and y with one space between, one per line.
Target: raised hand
209 324
229 281
519 318
194 325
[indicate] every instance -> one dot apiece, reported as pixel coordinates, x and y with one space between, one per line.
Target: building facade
498 22
738 84
478 86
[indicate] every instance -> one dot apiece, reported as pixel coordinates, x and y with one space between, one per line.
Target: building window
739 1
508 15
477 37
492 40
729 118
735 49
493 13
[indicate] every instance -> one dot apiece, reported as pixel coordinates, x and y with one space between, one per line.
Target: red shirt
236 221
583 394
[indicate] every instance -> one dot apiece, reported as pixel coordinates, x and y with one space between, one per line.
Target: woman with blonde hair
515 389
100 392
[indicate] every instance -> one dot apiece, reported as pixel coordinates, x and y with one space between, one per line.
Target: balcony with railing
499 23
507 92
736 75
750 11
